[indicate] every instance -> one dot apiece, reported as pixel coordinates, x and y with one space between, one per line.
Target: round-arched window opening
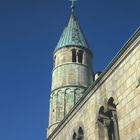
80 134
111 102
74 136
80 56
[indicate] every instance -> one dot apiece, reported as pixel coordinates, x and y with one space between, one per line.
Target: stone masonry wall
122 83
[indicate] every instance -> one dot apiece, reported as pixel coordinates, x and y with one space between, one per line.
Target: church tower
72 71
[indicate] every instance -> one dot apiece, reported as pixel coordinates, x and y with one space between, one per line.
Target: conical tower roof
72 35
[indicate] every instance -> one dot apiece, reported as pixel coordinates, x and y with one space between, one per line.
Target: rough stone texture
71 74
119 81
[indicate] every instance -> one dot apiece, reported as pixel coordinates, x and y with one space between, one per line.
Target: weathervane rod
72 5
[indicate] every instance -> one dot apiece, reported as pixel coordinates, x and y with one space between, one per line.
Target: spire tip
72 5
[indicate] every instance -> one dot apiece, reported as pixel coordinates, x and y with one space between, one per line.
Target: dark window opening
110 113
111 103
80 134
74 136
110 130
73 55
80 56
107 118
102 115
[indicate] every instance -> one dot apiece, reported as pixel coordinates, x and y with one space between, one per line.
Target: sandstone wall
120 80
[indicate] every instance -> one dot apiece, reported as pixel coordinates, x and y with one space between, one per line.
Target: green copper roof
72 35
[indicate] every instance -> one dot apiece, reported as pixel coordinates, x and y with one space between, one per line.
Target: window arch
107 119
77 95
73 55
102 116
74 136
113 131
77 55
80 134
111 103
101 123
80 56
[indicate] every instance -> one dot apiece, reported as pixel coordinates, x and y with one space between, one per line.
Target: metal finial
72 5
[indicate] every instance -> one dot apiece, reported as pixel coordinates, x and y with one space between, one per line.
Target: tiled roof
72 35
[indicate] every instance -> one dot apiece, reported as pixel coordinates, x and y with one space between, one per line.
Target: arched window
74 136
77 56
111 105
107 121
73 55
102 115
112 127
102 119
77 95
80 134
80 56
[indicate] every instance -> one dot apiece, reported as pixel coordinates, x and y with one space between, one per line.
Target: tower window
77 56
80 56
73 55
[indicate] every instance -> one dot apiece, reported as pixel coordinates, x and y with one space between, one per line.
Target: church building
93 106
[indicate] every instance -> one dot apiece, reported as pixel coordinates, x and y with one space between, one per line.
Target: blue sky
29 32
